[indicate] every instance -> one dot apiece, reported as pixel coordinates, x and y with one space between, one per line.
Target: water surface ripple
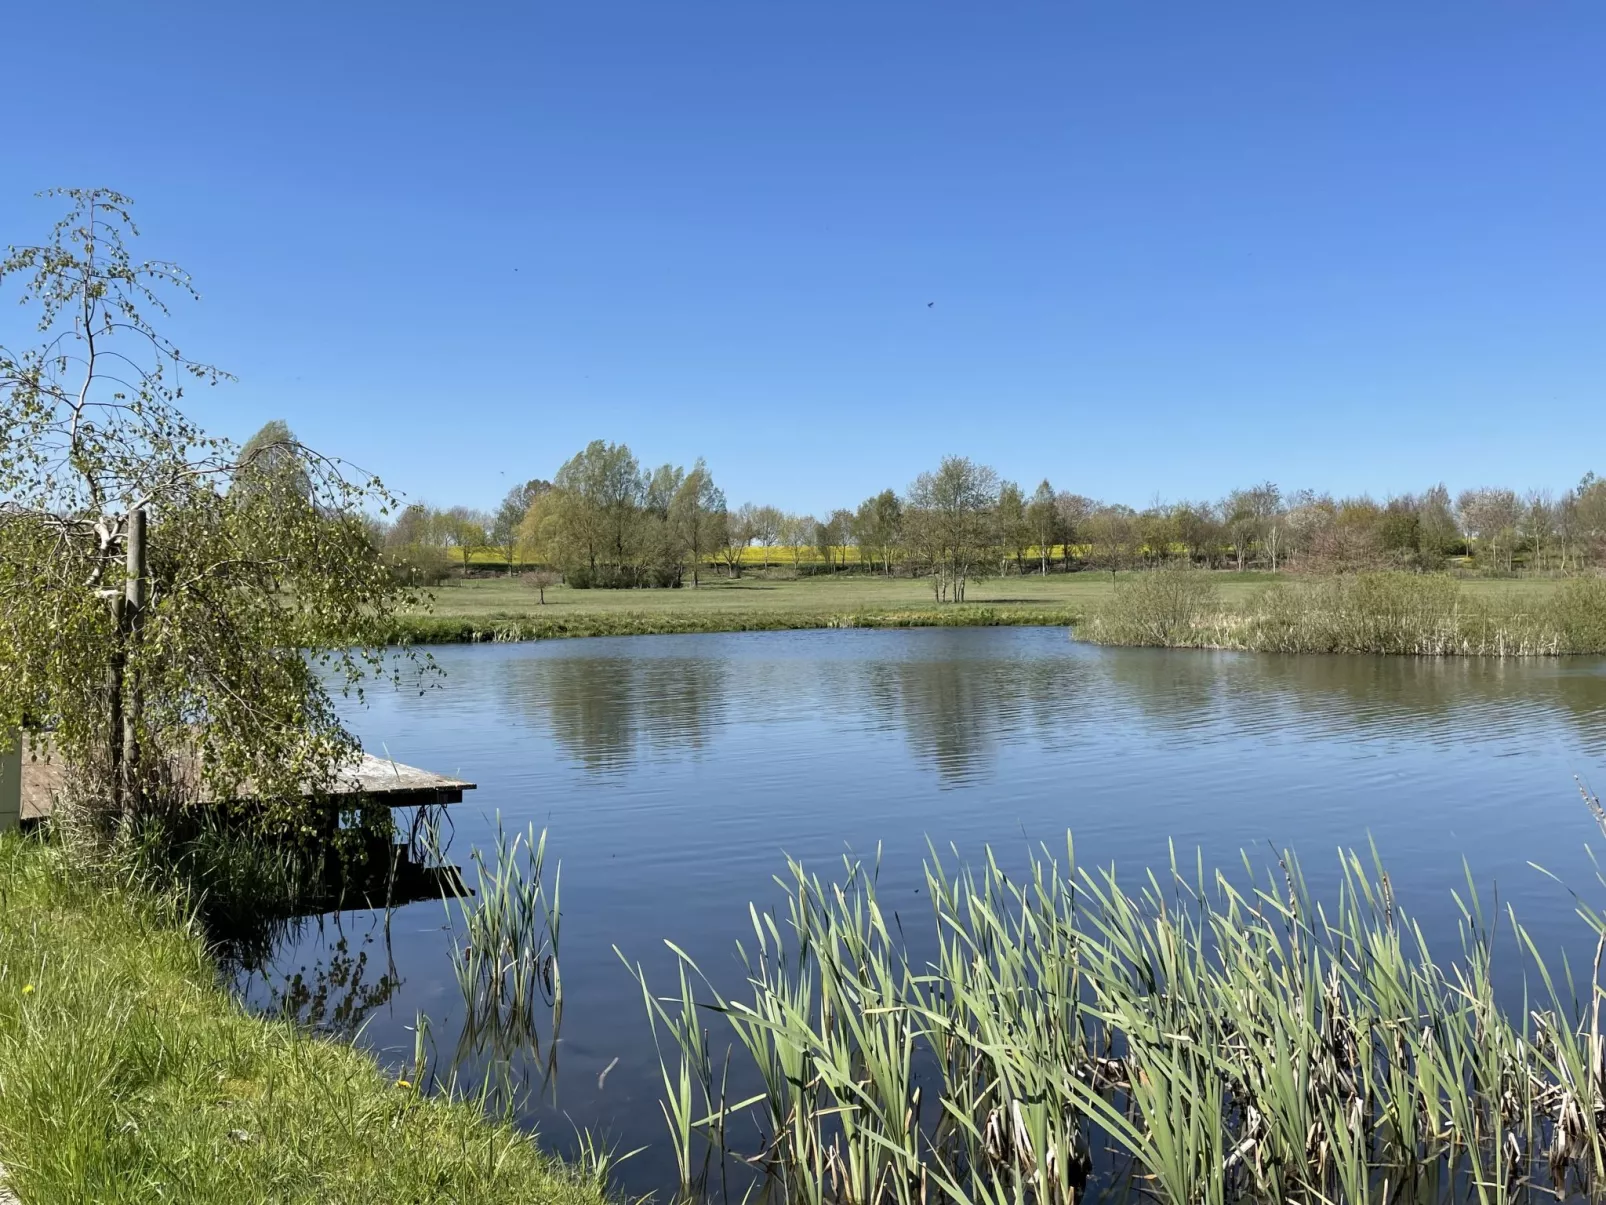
674 773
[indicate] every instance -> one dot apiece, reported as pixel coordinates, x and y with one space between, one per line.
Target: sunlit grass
128 1074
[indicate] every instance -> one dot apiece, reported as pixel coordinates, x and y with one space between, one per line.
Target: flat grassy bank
446 629
1391 613
127 1073
505 609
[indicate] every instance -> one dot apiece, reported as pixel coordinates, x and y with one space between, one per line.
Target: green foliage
272 460
505 525
951 524
878 527
262 585
697 517
129 1075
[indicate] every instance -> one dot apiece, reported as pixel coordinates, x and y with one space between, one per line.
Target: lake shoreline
442 629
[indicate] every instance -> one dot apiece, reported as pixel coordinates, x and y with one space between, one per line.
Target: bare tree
1072 511
1538 526
468 531
733 541
766 522
1265 504
1111 534
540 580
795 533
1490 516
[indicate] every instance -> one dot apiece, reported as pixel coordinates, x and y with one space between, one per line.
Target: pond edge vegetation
1207 1038
441 629
1406 614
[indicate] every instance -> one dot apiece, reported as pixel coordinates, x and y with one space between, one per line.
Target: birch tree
215 652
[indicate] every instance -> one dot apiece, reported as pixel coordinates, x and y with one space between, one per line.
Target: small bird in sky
929 304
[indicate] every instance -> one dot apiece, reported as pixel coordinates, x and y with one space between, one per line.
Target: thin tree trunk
132 619
114 706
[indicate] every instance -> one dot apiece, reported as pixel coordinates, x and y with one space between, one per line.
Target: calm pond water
675 772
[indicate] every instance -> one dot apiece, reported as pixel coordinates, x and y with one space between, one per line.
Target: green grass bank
1389 613
505 609
128 1074
450 629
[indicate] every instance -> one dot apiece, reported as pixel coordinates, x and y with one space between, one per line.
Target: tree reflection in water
959 702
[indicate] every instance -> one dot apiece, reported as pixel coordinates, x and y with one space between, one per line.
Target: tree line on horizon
604 520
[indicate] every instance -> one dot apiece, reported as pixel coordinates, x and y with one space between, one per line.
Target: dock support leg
10 782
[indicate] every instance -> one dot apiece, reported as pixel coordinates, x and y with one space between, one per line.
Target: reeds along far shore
1195 1041
1400 613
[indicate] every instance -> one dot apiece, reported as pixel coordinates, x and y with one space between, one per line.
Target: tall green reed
1205 1038
507 928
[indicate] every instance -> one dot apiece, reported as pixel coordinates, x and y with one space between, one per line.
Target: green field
505 608
847 592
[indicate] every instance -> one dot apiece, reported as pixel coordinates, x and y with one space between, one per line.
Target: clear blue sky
1173 248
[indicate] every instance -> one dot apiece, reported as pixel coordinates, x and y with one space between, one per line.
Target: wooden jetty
375 779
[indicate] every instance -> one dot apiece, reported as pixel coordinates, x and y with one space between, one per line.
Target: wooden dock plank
379 779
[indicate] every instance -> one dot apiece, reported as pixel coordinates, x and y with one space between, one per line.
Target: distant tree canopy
606 521
504 532
274 462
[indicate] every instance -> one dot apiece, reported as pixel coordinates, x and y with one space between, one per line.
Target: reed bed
507 931
1397 613
1192 1041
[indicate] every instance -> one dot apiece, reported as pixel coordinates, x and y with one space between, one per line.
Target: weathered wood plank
379 779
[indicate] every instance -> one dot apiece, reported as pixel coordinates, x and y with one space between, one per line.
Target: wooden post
133 612
11 783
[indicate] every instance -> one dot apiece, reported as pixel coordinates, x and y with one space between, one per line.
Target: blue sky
1172 248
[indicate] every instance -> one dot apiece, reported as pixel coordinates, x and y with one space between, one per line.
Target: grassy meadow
127 1074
